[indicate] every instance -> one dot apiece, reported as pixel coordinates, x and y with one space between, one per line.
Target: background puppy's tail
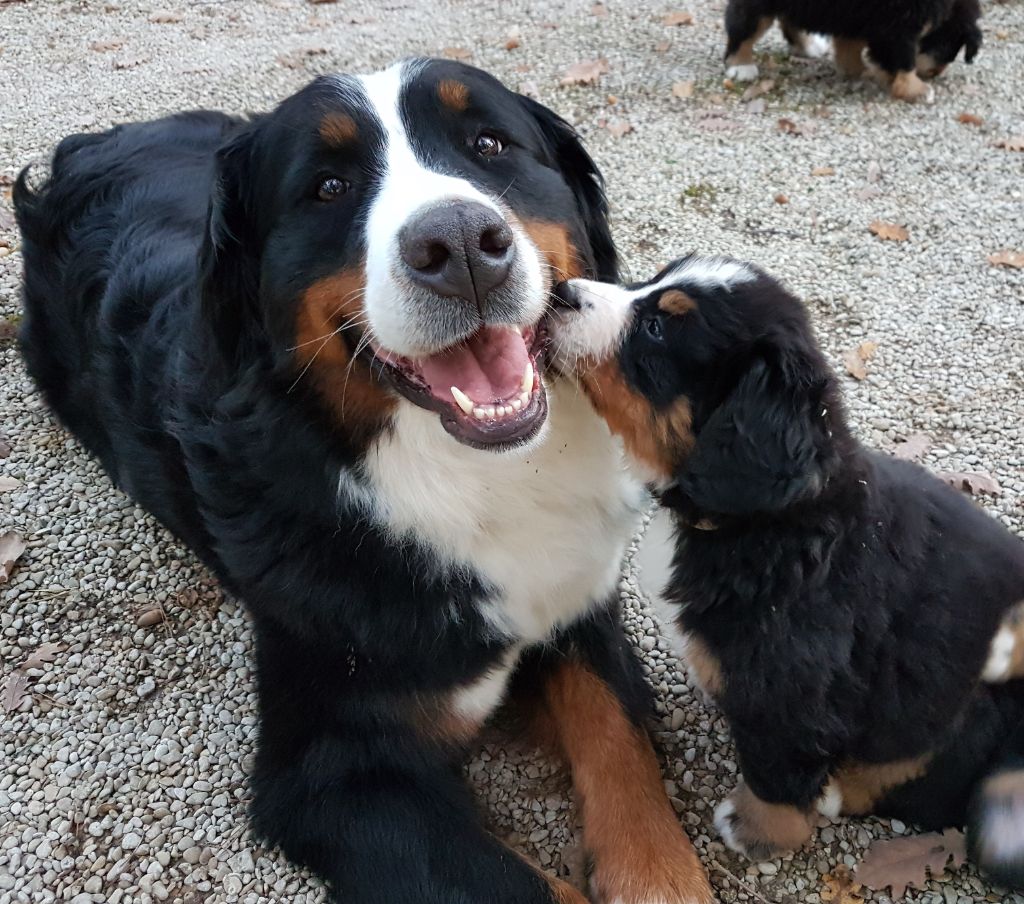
995 820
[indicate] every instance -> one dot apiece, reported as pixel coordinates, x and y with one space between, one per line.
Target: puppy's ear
587 184
767 445
229 258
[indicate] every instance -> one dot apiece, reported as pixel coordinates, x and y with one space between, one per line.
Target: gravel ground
124 773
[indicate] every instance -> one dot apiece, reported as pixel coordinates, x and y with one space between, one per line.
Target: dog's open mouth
487 389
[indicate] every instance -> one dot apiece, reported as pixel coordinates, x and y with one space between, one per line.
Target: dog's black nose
565 297
461 249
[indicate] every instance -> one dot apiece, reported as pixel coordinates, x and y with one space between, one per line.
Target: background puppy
856 618
907 40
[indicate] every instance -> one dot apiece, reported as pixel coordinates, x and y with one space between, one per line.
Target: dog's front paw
743 72
909 87
759 830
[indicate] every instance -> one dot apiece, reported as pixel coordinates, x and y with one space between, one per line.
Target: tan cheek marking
660 439
553 242
639 850
862 785
338 129
453 94
348 388
675 302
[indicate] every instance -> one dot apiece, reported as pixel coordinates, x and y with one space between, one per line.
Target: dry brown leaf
874 171
457 53
5 447
856 358
8 483
129 62
149 617
899 863
913 447
1015 143
969 119
677 17
758 89
619 127
165 17
789 127
840 888
823 171
972 482
15 691
585 73
529 89
1007 259
683 90
890 232
513 39
662 46
11 548
106 46
869 193
46 652
599 10
296 59
781 199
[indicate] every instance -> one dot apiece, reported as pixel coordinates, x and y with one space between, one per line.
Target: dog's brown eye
653 327
486 145
332 188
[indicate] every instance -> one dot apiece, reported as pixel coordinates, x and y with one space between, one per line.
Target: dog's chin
488 389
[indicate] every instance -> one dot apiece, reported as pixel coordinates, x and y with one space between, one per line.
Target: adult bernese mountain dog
857 619
908 40
313 345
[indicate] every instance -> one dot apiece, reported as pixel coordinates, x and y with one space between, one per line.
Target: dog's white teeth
517 404
527 384
518 329
462 400
479 413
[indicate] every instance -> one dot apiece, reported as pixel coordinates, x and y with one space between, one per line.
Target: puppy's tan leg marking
760 830
740 65
849 56
857 787
909 87
641 854
1006 653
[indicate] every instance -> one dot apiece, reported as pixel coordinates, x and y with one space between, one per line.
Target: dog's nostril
428 257
496 240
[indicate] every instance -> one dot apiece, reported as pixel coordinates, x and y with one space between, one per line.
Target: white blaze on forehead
705 273
408 184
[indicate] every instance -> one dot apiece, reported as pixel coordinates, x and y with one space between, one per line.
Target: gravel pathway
124 773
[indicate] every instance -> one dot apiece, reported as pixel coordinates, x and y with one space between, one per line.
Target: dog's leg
760 830
896 57
744 26
849 56
1006 652
803 43
592 700
357 790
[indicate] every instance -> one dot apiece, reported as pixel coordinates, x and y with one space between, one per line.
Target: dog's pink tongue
488 367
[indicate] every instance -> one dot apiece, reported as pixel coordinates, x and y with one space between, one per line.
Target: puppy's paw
812 46
742 72
760 830
995 829
908 86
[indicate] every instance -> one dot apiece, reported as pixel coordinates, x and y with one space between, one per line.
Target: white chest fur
545 526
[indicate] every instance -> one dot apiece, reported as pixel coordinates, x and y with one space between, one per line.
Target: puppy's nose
566 297
461 249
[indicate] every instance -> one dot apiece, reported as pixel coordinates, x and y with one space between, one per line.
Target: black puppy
856 619
907 40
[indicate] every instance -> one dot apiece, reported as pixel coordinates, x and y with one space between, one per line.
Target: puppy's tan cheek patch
453 94
658 439
338 129
553 242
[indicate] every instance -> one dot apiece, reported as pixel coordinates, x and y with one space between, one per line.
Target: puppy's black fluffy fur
848 598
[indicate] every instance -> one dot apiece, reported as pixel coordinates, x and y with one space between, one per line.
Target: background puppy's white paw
725 813
814 46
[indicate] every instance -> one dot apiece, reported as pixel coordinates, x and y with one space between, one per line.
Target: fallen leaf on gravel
15 691
662 46
323 1
874 171
619 127
529 89
8 483
149 617
969 119
839 887
11 548
682 89
856 358
869 193
296 59
514 39
129 62
758 89
899 863
106 46
585 73
8 329
972 482
5 447
890 232
1011 144
757 106
913 447
165 18
7 221
457 53
789 127
781 199
46 652
1007 259
677 17
599 10
823 171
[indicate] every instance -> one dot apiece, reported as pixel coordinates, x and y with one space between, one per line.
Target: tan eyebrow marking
453 94
675 302
338 129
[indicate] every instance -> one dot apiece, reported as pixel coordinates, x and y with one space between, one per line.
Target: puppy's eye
488 145
652 326
332 188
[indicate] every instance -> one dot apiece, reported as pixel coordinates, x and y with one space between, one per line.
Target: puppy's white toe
724 814
1000 656
815 46
830 803
746 72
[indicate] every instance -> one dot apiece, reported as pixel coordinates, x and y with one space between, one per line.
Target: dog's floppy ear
587 184
767 445
230 258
